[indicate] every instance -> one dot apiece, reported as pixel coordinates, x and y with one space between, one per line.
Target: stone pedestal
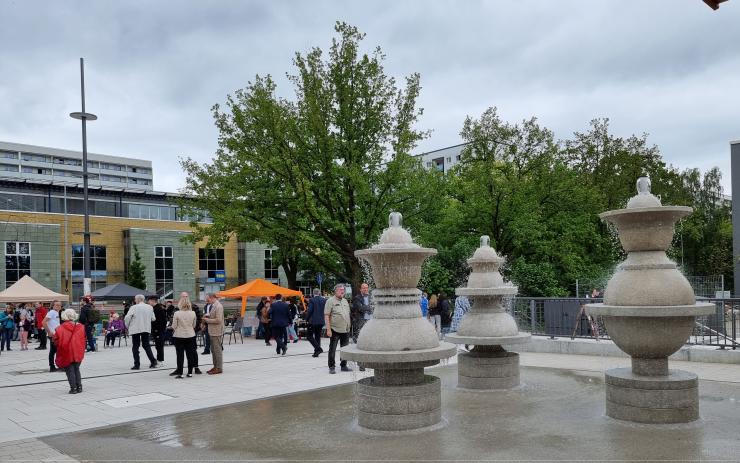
486 367
673 398
399 407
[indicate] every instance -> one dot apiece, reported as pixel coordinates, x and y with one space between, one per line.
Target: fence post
532 314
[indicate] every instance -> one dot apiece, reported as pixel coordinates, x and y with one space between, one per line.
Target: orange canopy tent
257 288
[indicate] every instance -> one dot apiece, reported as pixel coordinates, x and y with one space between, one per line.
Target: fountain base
672 398
385 403
488 368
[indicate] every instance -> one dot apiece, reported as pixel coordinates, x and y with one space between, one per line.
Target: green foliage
316 175
135 276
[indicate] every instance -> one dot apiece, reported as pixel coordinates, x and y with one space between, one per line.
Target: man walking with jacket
214 321
315 320
337 320
279 320
139 323
159 326
362 310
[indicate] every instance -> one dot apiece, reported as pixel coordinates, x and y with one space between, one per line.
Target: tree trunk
290 266
354 274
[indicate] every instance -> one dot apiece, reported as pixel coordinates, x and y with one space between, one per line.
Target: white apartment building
442 159
43 164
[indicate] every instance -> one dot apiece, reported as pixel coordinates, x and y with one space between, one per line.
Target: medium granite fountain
397 343
649 311
487 326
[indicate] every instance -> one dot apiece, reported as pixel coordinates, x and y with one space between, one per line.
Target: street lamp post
84 117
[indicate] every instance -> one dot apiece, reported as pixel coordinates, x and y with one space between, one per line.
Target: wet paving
554 415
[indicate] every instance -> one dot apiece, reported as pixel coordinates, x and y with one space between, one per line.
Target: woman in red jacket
70 341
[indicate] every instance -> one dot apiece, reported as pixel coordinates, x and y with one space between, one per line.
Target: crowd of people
70 335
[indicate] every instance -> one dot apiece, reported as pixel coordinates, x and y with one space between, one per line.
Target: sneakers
73 390
135 367
53 369
285 350
315 354
345 368
197 371
79 389
332 371
40 348
153 365
206 352
175 373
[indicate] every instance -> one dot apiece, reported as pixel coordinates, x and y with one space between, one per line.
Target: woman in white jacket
183 326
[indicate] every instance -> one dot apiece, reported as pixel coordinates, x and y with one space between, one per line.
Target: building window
211 265
36 170
242 263
8 155
439 164
17 261
97 259
271 268
98 270
163 271
457 158
111 178
34 157
68 161
8 168
108 166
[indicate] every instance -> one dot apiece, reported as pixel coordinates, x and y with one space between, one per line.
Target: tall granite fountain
487 326
649 311
397 343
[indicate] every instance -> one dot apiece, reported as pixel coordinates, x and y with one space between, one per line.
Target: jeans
90 335
436 320
314 336
356 327
184 348
159 345
281 337
42 338
7 335
217 351
343 340
73 375
52 355
142 339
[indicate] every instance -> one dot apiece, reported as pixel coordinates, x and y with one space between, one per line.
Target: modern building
38 163
735 183
442 159
41 224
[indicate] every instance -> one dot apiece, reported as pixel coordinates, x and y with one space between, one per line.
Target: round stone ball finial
643 198
643 185
395 219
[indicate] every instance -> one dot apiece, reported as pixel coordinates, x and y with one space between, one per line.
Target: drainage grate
141 399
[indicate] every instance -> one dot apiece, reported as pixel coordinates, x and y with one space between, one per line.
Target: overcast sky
670 68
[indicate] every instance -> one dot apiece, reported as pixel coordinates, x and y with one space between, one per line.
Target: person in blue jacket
315 320
7 323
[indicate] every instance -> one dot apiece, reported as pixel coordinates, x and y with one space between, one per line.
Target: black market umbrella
120 292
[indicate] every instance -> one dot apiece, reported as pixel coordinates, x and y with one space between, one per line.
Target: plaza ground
268 400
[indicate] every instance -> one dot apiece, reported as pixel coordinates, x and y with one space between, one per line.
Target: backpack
93 315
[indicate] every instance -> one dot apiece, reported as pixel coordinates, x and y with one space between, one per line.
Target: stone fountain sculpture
487 326
397 343
649 311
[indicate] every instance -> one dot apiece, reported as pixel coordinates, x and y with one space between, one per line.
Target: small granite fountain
649 311
397 343
487 326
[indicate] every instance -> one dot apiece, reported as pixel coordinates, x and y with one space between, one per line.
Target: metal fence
566 317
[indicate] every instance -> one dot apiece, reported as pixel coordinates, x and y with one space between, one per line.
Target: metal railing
565 317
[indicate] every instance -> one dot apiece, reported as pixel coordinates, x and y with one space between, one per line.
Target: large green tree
316 175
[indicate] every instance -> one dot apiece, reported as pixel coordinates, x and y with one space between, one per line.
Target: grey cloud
670 68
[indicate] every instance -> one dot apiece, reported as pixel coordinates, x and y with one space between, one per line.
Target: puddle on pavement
554 415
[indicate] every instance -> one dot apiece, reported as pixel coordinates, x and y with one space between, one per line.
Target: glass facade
271 267
109 208
164 270
211 265
17 261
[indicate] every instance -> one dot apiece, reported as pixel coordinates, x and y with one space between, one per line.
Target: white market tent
28 290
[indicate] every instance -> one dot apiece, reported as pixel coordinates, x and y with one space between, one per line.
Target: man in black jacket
315 320
279 320
362 310
159 326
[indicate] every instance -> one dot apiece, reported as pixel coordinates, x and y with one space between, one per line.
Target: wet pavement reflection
554 415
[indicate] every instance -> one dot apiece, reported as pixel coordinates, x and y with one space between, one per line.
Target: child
24 327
